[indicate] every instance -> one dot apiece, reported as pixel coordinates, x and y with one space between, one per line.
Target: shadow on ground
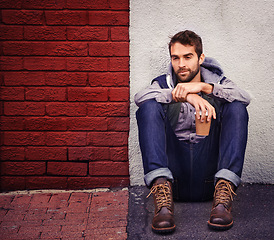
252 210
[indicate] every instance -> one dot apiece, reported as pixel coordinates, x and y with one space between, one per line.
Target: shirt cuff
165 96
219 92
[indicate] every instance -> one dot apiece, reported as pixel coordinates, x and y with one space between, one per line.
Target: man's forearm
207 88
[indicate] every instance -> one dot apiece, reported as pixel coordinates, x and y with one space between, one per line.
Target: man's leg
233 139
194 165
151 120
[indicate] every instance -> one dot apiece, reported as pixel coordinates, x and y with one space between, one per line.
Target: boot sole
163 230
219 227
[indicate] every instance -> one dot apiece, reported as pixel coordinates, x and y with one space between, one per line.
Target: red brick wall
64 94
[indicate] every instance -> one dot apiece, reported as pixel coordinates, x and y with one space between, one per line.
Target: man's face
185 62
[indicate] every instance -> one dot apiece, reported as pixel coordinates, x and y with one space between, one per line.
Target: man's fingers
179 94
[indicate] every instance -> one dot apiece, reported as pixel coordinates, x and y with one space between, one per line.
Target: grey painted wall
239 34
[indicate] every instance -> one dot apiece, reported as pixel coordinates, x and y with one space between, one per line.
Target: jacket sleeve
229 91
154 91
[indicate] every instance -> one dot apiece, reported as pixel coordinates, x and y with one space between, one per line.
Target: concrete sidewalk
253 211
126 214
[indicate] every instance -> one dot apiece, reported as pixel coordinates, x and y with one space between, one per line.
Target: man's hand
181 91
202 105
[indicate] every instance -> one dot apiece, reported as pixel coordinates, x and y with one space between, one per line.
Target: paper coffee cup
202 128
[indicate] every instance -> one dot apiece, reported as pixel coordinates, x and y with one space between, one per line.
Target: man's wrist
207 88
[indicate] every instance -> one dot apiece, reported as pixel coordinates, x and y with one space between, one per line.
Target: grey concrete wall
239 34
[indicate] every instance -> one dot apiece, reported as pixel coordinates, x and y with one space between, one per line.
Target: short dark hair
188 37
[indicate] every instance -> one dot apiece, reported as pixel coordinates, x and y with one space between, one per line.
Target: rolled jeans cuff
159 172
228 175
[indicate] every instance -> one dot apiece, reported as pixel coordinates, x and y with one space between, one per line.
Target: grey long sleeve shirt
185 128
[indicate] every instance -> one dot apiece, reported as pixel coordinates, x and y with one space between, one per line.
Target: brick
66 49
109 79
58 200
45 33
66 17
33 17
46 153
11 63
11 123
11 32
108 109
67 168
11 93
11 4
107 138
94 182
21 201
24 78
87 4
45 124
95 224
87 33
87 64
122 4
42 199
109 49
119 94
49 4
23 168
5 200
66 79
44 63
77 197
47 182
118 124
119 153
112 18
119 34
112 233
87 94
108 168
29 233
12 153
45 94
88 153
24 108
14 215
24 48
66 109
118 64
1 108
87 123
12 183
24 138
66 139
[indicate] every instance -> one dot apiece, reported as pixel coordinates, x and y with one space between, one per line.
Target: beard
191 74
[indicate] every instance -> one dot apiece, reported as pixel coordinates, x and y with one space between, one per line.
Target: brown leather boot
163 220
221 217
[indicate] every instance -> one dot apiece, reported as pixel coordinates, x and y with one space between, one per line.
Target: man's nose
182 63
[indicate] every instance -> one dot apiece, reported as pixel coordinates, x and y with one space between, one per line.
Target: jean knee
150 109
236 110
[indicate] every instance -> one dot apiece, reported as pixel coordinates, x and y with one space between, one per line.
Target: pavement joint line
30 192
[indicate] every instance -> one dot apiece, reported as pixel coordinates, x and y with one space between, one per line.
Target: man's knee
150 109
235 110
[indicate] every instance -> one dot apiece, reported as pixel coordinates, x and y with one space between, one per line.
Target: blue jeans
193 168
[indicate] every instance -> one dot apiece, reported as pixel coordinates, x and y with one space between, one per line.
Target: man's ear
201 59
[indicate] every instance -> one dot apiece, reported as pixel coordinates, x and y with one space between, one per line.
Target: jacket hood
211 72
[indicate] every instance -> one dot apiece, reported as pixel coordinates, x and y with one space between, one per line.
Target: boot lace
162 195
223 193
